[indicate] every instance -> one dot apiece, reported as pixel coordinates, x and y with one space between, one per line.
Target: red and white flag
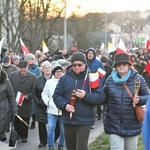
94 80
147 43
121 48
24 48
101 72
20 98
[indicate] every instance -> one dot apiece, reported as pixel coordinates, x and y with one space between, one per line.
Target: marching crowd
57 95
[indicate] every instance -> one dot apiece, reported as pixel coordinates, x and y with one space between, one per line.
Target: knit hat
29 56
78 56
122 58
104 59
16 57
6 58
55 66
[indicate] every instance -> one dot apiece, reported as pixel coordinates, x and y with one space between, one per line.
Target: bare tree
32 20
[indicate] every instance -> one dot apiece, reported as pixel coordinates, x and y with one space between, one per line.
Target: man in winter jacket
78 112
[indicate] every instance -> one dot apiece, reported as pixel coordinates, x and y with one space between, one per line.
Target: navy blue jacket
120 117
84 108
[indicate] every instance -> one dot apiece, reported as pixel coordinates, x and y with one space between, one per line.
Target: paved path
33 140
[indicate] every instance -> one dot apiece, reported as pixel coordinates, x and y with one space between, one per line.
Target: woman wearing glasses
53 113
120 120
76 100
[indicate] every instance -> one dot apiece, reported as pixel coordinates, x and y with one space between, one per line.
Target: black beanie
78 56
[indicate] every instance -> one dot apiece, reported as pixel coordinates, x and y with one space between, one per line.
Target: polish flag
94 80
121 48
24 48
20 98
45 48
101 72
147 43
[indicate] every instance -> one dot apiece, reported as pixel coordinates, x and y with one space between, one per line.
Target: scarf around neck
121 80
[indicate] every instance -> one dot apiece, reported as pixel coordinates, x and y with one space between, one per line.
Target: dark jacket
25 86
84 108
41 114
120 117
7 101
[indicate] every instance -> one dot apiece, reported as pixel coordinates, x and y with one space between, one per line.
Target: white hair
46 63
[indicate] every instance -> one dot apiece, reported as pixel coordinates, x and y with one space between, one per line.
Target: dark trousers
42 132
21 128
77 136
99 111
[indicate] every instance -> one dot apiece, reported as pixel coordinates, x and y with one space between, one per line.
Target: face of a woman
122 68
58 73
46 70
78 67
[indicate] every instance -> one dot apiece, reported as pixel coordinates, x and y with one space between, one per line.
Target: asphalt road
33 139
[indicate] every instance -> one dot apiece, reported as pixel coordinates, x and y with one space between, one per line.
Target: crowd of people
57 95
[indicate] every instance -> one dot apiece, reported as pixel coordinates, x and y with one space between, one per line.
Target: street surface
33 139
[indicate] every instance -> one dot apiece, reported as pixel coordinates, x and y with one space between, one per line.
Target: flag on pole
101 72
121 48
147 43
111 47
102 46
24 48
1 45
45 48
20 98
94 80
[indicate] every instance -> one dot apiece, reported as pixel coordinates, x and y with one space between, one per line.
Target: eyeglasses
58 71
75 65
121 64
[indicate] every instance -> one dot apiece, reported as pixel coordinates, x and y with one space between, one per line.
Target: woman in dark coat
7 102
41 115
120 120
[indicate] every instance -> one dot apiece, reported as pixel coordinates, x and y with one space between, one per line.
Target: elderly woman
41 115
7 103
53 113
120 120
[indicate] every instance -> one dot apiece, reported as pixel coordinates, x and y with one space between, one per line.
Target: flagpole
65 29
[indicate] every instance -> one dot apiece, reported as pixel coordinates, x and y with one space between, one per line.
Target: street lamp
105 29
65 29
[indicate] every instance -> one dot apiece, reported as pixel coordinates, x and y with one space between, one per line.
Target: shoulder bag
139 111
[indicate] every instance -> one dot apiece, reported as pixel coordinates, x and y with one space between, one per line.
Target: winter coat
9 69
120 117
47 96
35 70
41 114
84 108
7 101
25 86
